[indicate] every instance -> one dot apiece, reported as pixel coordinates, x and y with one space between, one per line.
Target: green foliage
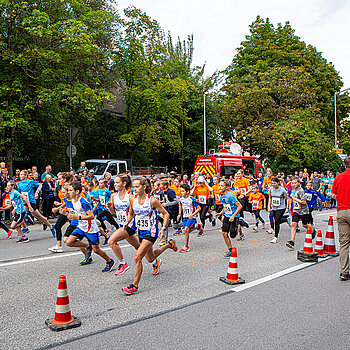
277 99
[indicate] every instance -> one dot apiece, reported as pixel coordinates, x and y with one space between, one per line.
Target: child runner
231 209
19 210
143 207
277 205
256 199
87 226
189 208
300 209
216 194
119 205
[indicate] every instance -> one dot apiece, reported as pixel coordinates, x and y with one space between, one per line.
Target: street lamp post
204 128
335 115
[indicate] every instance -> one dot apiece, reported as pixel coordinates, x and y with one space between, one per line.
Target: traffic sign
338 150
74 151
71 133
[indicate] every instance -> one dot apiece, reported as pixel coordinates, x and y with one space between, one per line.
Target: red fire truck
227 164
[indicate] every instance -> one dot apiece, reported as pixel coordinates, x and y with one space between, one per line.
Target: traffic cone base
307 257
61 327
332 254
308 254
225 280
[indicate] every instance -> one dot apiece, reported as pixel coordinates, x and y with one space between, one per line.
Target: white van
112 166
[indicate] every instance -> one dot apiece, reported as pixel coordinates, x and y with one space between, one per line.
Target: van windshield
99 168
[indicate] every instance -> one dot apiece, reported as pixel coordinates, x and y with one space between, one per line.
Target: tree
54 60
277 98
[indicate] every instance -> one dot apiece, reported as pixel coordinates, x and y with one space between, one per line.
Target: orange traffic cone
63 318
329 241
319 245
308 254
232 271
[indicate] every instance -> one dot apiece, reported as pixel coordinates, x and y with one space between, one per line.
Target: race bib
25 194
121 217
276 201
71 211
7 202
296 205
308 196
217 197
143 222
236 189
186 211
243 191
202 199
102 200
228 209
255 204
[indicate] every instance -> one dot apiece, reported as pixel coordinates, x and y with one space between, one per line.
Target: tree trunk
9 149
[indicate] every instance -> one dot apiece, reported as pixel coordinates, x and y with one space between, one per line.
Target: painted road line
204 262
50 257
274 276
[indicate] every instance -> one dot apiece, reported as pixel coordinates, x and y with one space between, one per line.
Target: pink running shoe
263 225
9 234
121 269
130 289
184 249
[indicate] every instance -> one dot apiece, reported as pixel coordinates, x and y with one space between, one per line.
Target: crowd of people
141 211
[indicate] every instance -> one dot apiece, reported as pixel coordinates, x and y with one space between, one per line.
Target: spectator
316 182
341 193
82 167
48 171
110 182
48 196
91 175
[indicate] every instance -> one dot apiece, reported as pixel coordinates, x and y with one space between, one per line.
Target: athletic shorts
231 227
297 217
148 238
190 223
19 217
92 237
130 231
70 230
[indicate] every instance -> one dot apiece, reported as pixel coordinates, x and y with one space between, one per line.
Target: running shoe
290 245
178 232
313 233
200 234
86 261
274 240
23 239
270 231
44 227
263 225
156 266
53 231
130 289
88 252
243 223
161 243
241 237
109 266
228 255
298 229
121 269
56 249
344 276
184 249
172 245
255 228
9 234
213 221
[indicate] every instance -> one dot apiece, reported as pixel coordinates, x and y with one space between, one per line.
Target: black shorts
70 230
19 217
148 238
130 231
297 217
231 227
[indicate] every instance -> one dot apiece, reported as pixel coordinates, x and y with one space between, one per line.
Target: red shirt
341 187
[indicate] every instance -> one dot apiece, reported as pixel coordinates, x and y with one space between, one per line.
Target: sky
220 26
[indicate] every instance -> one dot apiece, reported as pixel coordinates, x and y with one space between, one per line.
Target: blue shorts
190 223
143 234
91 237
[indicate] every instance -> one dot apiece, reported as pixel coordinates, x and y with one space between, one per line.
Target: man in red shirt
341 192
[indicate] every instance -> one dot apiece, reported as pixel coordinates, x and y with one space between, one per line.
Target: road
185 306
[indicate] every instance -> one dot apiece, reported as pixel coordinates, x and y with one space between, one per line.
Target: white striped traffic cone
308 254
232 271
329 241
319 245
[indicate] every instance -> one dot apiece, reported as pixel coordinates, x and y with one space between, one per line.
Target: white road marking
248 285
50 257
331 213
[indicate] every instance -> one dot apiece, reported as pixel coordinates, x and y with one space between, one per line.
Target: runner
258 202
300 209
26 187
119 205
87 226
242 188
19 211
277 205
216 194
231 209
143 207
189 208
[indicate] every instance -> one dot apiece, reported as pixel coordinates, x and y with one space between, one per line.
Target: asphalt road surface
285 304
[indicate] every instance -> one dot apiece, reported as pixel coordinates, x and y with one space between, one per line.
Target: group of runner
135 208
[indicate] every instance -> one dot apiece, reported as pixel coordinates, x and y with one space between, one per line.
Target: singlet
81 207
189 206
121 207
146 218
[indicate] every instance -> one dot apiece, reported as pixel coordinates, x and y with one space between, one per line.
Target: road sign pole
70 149
204 127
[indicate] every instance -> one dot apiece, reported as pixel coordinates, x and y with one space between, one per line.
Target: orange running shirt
243 185
217 194
257 199
202 193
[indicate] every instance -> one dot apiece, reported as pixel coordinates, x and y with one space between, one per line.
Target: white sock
122 262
